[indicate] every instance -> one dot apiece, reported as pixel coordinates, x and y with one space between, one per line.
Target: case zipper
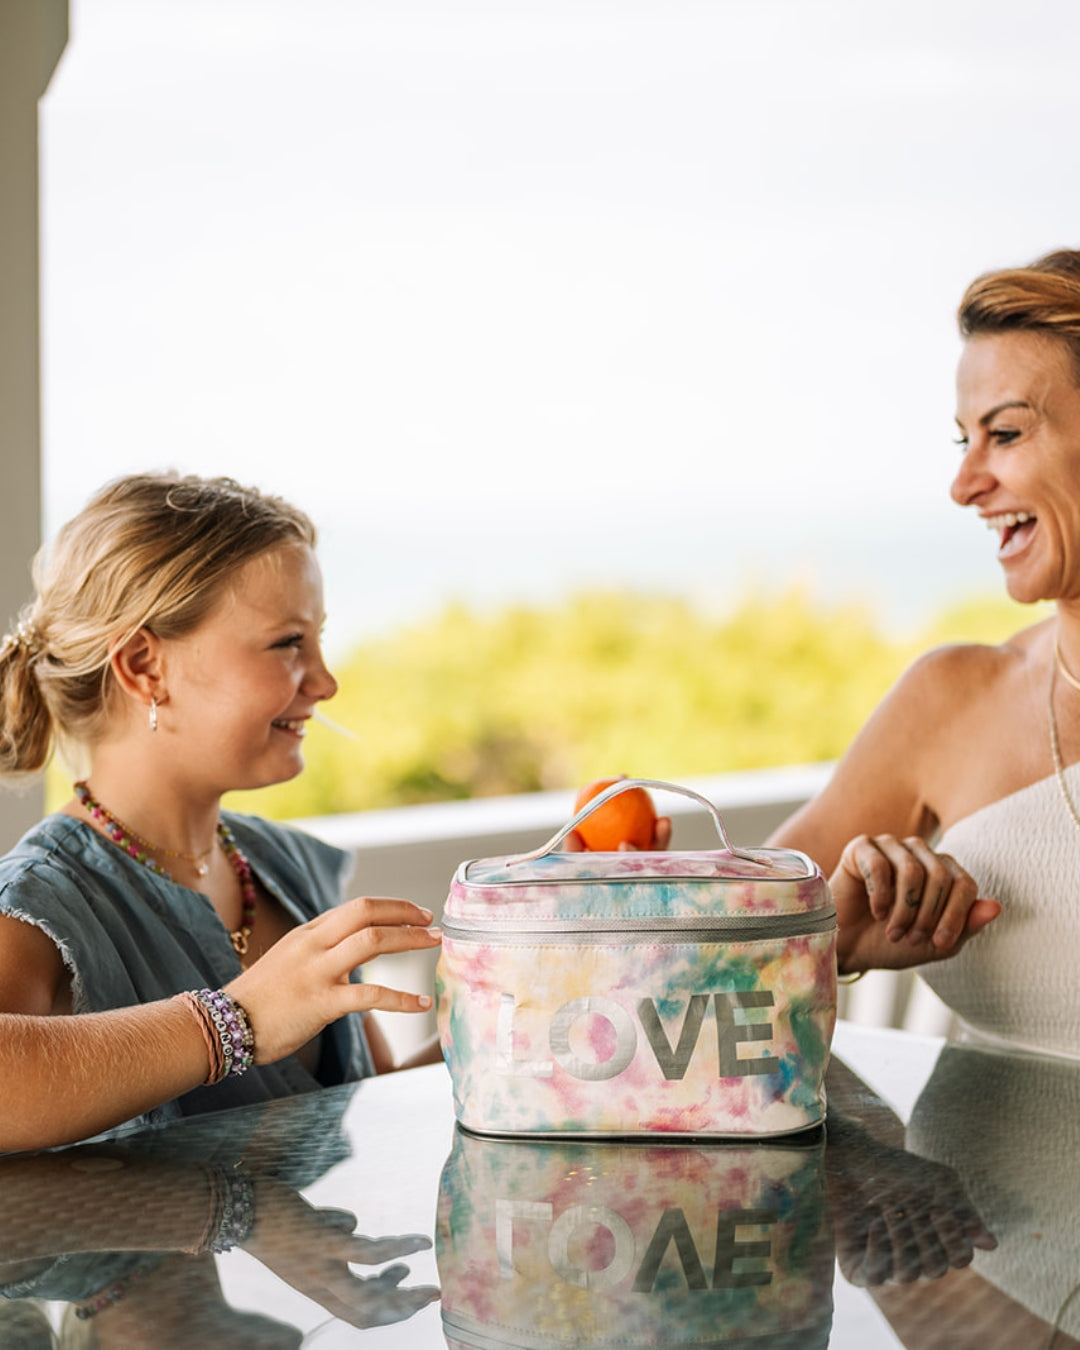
630 877
698 928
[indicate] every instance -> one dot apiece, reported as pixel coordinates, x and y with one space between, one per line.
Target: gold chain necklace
1063 667
1055 747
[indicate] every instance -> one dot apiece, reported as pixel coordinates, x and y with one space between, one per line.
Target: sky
517 297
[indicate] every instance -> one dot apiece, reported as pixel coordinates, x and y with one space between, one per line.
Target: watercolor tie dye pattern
547 1245
617 994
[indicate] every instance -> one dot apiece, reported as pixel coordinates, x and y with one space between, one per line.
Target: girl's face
1018 409
240 689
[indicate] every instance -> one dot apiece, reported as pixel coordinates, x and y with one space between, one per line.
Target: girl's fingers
365 911
357 949
377 997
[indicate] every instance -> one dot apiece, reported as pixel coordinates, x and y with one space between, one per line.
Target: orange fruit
628 818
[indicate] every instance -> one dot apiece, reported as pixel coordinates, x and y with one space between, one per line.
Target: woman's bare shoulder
954 674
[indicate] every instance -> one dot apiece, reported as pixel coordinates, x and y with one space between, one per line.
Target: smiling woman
1019 414
174 644
982 744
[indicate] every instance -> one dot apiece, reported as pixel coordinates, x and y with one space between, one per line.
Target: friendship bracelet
233 1030
226 1032
232 1212
237 1212
214 1055
213 1219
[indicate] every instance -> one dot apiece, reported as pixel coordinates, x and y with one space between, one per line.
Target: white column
33 34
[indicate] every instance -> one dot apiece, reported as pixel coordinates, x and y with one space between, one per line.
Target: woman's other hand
901 904
898 1217
302 983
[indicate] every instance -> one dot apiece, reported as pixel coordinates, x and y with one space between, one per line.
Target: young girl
174 646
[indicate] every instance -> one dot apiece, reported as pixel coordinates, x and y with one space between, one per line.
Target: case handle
623 785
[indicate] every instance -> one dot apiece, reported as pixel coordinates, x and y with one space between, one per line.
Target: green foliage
468 705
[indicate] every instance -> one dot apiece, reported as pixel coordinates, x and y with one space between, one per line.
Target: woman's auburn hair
154 551
1043 297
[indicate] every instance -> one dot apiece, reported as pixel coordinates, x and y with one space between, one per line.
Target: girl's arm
69 1077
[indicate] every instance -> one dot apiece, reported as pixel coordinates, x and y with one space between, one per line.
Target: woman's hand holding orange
302 983
626 823
901 904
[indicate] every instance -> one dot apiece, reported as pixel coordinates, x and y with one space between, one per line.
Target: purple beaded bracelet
233 1030
235 1195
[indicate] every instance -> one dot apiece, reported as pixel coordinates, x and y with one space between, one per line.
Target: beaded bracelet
226 1032
237 1201
232 1212
233 1030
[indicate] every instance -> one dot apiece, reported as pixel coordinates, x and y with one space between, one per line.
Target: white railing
413 851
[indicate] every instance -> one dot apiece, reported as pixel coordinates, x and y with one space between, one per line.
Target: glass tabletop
936 1210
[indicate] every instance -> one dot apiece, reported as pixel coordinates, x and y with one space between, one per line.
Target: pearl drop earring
153 713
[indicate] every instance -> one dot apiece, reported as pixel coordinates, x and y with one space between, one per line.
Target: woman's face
1018 409
240 689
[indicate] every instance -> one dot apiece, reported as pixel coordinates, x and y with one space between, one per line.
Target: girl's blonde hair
153 551
1041 298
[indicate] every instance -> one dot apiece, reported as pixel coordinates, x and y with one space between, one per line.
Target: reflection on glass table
311 1222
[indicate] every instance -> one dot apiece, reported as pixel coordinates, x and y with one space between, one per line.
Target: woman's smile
1018 409
1014 530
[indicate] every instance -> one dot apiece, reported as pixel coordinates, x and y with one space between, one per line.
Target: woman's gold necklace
1055 747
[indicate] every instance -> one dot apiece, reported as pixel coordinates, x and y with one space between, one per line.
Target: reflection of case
605 994
545 1245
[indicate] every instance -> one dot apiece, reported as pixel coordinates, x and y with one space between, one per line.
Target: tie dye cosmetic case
604 995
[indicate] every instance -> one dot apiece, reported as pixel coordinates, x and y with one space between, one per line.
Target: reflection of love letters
672 1056
596 995
566 1244
569 1234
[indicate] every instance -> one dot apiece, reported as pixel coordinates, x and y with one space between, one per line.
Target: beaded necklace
130 842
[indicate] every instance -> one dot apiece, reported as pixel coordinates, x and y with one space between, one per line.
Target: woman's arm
899 903
67 1077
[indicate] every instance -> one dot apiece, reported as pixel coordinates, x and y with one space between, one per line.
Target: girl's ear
139 668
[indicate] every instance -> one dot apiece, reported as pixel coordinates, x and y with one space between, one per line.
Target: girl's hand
302 983
901 904
313 1250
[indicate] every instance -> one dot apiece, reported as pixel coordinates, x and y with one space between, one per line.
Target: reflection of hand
312 1249
302 983
897 1217
901 904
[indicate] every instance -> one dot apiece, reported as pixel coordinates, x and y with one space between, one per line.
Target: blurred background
609 343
